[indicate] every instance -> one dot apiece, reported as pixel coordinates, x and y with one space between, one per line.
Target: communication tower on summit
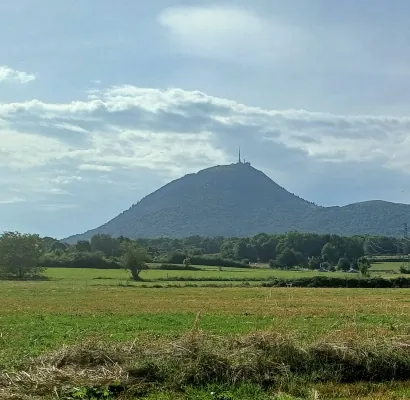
240 160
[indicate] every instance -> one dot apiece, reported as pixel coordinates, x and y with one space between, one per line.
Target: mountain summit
239 200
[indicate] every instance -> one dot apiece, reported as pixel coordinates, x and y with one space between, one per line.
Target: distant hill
239 200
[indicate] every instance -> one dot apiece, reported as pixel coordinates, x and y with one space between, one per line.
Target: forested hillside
239 200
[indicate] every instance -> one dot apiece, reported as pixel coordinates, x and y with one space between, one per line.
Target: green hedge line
334 282
79 260
178 258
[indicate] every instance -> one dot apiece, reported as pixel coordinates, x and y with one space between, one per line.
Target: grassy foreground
197 365
74 336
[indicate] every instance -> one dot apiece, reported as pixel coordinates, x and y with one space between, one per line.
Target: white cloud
11 200
65 180
8 74
129 127
93 167
48 149
230 34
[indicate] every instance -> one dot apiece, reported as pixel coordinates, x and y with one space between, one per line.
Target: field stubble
37 318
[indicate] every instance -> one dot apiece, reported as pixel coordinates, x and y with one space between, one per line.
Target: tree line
18 251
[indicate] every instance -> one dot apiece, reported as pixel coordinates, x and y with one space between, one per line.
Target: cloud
8 74
91 167
230 34
123 142
11 200
126 127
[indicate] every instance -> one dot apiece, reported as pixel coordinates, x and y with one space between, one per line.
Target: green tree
329 253
343 264
47 243
58 246
83 246
301 260
110 246
287 258
134 259
363 264
20 255
187 262
314 262
267 250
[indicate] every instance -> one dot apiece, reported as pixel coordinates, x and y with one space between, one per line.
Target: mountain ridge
239 200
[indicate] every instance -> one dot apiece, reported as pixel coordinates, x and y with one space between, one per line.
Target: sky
103 102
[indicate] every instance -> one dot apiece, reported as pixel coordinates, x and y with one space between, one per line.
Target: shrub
405 269
336 282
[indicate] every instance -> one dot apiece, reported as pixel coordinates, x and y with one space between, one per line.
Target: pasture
76 306
212 274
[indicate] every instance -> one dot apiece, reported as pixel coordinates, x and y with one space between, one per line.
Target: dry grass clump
267 359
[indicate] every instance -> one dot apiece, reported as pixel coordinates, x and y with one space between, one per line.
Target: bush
405 269
336 282
272 264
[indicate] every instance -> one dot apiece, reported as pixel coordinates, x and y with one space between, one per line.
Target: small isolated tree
134 259
363 264
20 255
343 264
187 262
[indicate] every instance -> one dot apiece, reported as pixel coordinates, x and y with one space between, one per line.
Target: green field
77 305
157 276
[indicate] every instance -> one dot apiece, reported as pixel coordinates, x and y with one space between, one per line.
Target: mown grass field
113 277
76 305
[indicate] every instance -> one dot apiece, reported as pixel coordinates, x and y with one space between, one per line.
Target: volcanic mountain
239 200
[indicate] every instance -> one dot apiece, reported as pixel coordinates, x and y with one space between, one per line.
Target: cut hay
266 359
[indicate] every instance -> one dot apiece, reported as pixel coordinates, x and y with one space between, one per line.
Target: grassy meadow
158 276
84 308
